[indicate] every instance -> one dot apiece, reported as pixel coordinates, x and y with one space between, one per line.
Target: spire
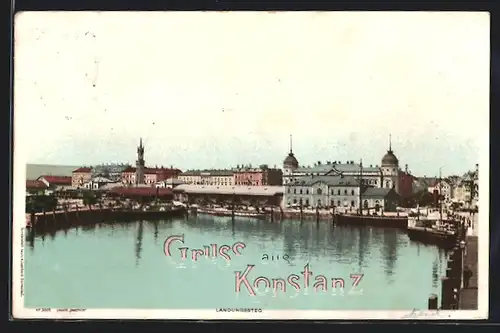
390 143
291 144
140 142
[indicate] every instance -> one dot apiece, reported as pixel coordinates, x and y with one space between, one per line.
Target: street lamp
462 248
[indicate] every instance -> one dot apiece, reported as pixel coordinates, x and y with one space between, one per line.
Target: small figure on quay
467 276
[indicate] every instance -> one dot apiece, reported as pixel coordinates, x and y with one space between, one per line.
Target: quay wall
78 217
306 215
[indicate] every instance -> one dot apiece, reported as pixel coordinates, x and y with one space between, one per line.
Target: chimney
406 168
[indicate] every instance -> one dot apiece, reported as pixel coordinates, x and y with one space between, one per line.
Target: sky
217 89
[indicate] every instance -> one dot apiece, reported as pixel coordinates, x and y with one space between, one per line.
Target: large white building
323 191
387 175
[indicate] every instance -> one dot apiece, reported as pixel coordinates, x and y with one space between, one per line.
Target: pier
468 296
87 215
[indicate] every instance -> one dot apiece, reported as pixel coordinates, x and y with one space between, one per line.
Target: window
332 203
300 191
365 204
345 192
352 203
388 184
294 191
352 192
319 191
338 192
307 191
307 202
294 201
333 192
338 203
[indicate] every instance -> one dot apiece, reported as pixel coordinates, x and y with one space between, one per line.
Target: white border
19 311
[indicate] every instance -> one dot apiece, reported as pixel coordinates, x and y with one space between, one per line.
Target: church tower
139 165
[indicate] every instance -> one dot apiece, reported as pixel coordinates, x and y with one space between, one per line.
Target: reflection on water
398 273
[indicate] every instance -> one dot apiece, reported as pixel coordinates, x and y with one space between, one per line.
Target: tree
89 199
39 203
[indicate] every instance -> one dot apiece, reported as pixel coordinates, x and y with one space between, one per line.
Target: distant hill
33 171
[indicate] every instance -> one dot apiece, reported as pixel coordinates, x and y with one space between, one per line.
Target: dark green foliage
39 203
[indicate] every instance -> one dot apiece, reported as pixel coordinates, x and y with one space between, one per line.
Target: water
124 266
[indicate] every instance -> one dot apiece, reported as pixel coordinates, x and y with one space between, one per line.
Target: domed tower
289 165
390 169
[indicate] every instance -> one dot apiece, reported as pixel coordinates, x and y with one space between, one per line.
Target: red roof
57 180
83 170
141 191
35 184
155 170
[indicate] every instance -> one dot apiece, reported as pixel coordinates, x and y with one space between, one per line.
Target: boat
434 227
441 232
375 220
228 212
400 222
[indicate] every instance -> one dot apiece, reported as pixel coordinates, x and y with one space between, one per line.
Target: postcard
251 165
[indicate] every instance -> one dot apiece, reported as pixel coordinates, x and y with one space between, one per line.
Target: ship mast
439 198
360 187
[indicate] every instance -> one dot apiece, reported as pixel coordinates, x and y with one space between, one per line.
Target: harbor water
124 265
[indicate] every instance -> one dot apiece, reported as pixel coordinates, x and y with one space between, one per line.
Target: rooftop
56 180
236 190
376 193
35 184
328 180
154 170
209 172
141 191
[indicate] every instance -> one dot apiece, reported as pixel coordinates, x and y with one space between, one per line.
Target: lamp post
462 248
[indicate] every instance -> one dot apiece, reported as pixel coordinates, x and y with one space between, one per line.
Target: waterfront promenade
468 297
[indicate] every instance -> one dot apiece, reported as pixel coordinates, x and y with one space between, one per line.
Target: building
323 191
35 187
443 187
261 176
142 175
151 175
81 176
406 183
55 182
97 183
208 177
239 195
169 183
387 175
466 191
141 193
112 171
385 199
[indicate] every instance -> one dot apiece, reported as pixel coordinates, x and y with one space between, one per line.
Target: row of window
222 183
319 191
305 203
